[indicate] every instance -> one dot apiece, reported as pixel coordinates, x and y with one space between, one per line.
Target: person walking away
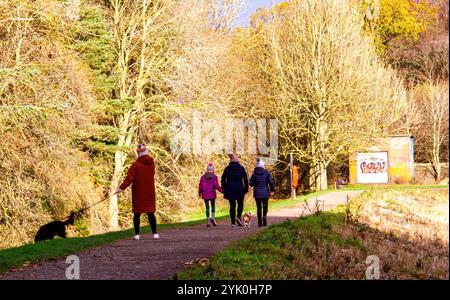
207 187
263 187
141 175
234 182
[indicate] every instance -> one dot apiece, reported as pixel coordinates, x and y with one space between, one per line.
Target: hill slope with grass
47 94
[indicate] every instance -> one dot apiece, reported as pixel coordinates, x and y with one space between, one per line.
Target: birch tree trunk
126 134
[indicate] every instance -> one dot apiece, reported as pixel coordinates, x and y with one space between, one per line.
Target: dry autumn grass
417 227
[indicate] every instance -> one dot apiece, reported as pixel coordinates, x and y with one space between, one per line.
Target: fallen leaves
203 261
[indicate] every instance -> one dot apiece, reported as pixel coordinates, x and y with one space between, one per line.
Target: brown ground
163 258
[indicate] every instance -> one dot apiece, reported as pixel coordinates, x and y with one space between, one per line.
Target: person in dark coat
141 175
235 185
263 187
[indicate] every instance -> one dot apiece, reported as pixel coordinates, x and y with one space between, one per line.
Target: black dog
48 231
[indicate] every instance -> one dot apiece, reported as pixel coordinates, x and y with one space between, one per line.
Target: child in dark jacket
263 187
207 187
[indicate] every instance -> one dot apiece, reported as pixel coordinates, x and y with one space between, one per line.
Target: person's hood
146 160
234 165
259 171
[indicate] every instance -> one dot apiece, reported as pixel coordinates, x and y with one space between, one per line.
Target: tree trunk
435 152
436 166
318 150
119 161
312 177
312 166
318 177
322 180
318 169
126 133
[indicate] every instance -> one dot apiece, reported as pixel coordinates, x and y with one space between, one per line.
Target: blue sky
252 6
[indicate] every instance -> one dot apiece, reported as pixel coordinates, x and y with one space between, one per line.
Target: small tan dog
247 219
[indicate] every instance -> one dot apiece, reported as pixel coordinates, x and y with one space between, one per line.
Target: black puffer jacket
262 183
234 181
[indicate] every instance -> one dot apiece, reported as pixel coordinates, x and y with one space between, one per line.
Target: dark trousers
213 207
262 206
240 208
137 221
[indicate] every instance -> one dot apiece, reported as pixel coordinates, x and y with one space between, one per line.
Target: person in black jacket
235 185
263 187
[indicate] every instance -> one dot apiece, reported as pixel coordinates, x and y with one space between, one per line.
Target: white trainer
156 236
136 237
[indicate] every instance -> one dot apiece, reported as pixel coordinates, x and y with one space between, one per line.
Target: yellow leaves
401 19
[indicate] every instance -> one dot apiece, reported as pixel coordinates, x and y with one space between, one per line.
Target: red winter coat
142 175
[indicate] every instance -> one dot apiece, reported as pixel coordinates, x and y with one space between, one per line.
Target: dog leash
88 207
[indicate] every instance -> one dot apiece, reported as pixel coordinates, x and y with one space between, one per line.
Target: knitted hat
141 150
210 168
259 163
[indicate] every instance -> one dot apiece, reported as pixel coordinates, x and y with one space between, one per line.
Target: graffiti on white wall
372 167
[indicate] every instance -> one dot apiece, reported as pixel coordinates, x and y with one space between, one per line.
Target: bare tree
168 52
329 91
431 134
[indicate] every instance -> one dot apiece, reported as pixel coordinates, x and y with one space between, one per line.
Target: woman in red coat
141 175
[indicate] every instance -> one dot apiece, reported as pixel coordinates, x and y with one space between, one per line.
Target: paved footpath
162 259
